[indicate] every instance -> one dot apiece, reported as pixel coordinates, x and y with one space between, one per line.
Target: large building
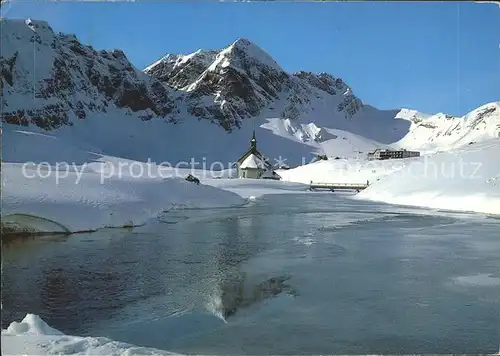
392 154
254 165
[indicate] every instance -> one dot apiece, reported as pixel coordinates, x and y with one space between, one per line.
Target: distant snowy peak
309 134
242 53
181 71
246 54
443 132
411 115
51 80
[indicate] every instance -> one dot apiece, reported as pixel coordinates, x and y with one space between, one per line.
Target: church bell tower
253 142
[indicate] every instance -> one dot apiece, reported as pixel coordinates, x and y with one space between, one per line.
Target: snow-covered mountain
51 80
241 81
444 132
203 105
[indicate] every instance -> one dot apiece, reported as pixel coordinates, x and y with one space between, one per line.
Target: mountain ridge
53 82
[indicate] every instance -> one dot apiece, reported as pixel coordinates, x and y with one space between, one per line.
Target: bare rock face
323 81
179 71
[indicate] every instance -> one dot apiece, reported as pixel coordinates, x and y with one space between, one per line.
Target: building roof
252 161
270 174
253 151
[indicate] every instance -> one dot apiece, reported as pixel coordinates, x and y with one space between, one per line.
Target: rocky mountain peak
241 80
247 54
48 79
65 79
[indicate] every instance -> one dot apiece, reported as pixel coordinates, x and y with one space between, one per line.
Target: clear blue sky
434 57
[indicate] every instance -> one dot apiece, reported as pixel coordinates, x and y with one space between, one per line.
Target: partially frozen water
290 274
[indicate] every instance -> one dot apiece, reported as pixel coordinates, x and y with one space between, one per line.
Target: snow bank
32 336
33 325
84 198
464 179
62 184
467 179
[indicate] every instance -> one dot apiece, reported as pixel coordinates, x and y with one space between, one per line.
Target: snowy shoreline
32 336
96 193
42 205
463 180
81 201
55 185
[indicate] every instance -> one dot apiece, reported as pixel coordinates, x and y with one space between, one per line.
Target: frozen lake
294 274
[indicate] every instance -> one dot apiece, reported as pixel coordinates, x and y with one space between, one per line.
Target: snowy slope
464 179
32 336
444 132
84 199
467 179
351 170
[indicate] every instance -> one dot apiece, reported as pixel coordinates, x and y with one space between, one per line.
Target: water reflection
295 274
238 294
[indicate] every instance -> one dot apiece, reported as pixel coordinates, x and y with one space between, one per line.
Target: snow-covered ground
57 185
83 199
51 184
341 171
467 179
254 188
32 336
464 179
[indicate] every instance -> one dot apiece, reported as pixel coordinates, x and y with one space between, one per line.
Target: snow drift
84 199
32 336
467 179
61 187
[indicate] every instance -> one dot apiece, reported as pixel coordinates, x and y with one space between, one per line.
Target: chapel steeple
253 142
